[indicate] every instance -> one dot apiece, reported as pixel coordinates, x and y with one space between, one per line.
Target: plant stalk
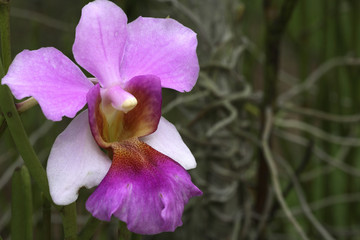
18 132
21 205
46 223
69 222
275 25
89 229
10 113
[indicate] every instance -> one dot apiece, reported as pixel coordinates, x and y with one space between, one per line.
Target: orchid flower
146 183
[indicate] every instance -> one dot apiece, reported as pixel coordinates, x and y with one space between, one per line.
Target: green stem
16 207
2 124
89 229
2 118
17 130
5 34
22 141
69 221
2 70
275 25
124 233
27 201
136 237
46 224
21 107
10 112
21 205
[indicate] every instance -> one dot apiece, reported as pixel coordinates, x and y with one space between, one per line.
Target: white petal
167 140
75 161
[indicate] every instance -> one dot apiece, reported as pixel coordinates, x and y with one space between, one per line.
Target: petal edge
164 48
140 177
51 78
100 39
75 161
167 140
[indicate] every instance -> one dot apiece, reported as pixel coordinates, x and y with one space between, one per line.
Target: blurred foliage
315 141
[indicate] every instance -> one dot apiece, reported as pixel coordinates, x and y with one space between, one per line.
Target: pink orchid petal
164 48
52 79
143 188
75 161
100 39
167 140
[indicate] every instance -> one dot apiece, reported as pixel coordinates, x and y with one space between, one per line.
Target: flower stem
46 224
2 118
89 229
21 205
124 233
275 25
21 140
2 124
5 34
69 221
10 112
136 236
27 201
17 130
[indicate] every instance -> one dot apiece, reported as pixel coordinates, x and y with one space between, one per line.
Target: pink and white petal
99 40
143 188
167 140
75 161
52 79
164 48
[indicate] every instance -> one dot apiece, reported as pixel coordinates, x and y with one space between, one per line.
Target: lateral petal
99 40
164 48
52 79
167 140
143 188
75 161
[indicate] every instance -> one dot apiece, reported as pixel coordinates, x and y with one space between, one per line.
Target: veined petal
143 188
100 39
167 140
164 48
112 125
75 161
52 79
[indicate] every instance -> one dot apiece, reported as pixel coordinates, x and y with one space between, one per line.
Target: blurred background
274 116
